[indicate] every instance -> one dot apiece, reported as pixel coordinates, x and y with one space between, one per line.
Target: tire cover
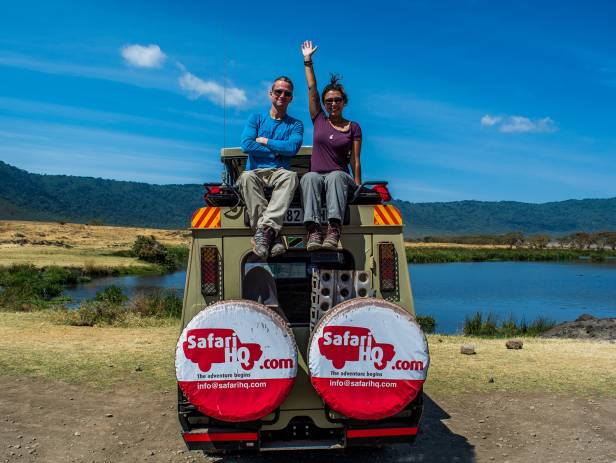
236 360
368 358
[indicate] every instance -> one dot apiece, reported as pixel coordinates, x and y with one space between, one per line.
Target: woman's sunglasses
336 99
279 92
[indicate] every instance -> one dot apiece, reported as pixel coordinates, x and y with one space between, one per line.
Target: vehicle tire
236 360
384 353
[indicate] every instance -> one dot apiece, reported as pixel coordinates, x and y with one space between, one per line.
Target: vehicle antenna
224 88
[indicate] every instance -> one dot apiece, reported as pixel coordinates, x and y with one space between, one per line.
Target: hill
486 217
27 196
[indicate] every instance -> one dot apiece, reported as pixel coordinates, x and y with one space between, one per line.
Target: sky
460 100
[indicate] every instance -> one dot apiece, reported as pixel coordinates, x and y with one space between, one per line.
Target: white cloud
150 56
489 121
519 124
213 91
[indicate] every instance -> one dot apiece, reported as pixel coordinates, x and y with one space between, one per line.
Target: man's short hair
284 79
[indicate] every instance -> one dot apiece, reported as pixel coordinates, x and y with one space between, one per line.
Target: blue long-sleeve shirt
284 136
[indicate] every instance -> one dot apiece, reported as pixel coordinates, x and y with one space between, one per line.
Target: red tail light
383 192
210 271
388 271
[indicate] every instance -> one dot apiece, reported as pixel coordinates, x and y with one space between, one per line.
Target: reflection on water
449 292
130 285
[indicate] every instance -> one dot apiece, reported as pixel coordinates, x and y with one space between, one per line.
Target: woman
336 140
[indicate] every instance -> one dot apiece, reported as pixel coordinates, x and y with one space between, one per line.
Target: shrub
111 295
161 303
540 325
28 287
478 325
148 249
472 324
427 323
110 307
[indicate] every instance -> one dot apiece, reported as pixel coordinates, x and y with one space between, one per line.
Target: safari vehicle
298 289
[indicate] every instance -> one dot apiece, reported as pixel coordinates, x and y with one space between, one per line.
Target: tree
514 239
538 241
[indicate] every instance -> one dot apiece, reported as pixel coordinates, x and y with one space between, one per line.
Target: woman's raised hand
308 50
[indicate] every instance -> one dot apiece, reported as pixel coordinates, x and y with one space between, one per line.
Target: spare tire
368 358
236 360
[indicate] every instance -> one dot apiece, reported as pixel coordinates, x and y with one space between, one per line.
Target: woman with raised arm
336 142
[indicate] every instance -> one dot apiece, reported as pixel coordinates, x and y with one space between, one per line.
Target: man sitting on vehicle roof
270 139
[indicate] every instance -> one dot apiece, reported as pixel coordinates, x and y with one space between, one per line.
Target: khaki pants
252 184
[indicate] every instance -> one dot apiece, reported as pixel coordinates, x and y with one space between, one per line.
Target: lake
449 292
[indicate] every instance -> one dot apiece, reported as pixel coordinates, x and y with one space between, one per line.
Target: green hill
26 196
483 217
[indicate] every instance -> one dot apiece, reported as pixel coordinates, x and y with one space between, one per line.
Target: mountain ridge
28 196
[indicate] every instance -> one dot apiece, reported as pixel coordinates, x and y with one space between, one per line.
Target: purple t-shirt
330 147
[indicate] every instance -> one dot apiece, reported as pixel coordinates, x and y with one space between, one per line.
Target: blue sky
457 100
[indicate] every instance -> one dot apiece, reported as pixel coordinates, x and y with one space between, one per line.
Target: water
560 291
130 285
449 292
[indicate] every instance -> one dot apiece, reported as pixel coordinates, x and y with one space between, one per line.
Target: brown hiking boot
315 237
262 241
278 246
332 237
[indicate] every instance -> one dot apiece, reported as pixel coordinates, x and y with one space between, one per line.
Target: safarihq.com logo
220 345
341 344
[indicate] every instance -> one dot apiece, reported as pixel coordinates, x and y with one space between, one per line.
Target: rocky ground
585 327
51 421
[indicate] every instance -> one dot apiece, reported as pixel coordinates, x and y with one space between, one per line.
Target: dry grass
23 242
543 365
30 344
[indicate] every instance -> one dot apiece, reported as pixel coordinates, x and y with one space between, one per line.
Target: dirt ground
51 421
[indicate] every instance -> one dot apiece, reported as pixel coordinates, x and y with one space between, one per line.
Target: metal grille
388 271
211 271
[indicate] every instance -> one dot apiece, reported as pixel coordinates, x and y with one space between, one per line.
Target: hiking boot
278 247
315 237
262 241
332 237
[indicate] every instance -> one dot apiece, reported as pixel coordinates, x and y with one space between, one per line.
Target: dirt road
51 421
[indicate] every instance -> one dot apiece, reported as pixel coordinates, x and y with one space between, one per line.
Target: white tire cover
236 360
368 358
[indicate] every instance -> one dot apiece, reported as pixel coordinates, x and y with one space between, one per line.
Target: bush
111 295
427 323
111 307
161 303
91 313
148 249
478 325
27 287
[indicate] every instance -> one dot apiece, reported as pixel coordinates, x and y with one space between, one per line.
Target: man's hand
308 50
261 141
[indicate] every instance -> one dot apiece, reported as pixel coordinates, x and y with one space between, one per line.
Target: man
270 139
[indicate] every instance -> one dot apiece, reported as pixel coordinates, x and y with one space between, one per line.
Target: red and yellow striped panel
387 215
206 217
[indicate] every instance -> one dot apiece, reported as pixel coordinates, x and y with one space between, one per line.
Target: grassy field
76 245
32 345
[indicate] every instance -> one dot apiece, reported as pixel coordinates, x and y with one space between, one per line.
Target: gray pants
336 184
252 184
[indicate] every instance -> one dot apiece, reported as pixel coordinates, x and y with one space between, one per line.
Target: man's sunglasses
279 92
336 99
